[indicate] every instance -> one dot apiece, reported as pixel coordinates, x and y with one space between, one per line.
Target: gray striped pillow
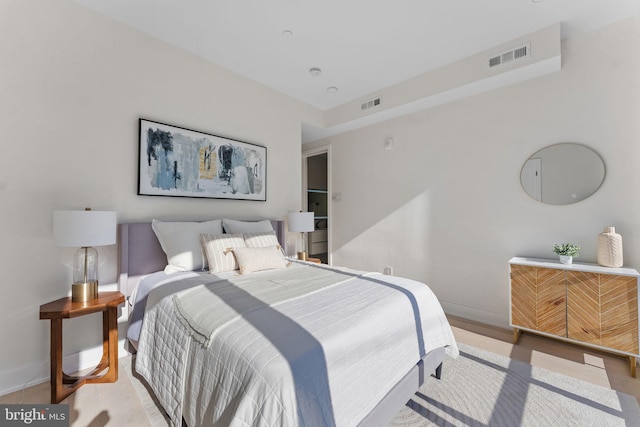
219 251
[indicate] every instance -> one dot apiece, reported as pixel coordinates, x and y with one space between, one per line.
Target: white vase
610 248
565 259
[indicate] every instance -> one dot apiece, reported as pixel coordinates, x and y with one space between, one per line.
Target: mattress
325 356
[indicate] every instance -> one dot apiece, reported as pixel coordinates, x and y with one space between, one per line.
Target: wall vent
371 103
510 56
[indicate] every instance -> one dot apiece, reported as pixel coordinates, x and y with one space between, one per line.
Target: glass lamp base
302 255
82 292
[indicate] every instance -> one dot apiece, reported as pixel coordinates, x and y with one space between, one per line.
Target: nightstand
62 385
316 260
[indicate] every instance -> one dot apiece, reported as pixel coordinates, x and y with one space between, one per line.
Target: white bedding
325 358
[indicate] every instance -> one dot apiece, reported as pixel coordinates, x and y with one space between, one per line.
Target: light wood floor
118 404
601 368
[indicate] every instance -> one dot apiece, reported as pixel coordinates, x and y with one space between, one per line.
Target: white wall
72 87
445 206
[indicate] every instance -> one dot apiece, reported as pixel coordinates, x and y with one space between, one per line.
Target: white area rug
156 415
480 388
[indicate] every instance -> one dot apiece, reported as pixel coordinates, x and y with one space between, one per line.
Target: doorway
316 186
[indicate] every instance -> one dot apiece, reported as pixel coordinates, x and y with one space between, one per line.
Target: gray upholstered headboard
139 252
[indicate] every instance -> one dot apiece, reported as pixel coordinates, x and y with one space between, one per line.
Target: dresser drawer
318 248
318 236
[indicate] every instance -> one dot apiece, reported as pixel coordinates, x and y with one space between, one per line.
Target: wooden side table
64 308
316 260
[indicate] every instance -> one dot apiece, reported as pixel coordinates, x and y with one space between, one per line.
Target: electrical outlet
388 270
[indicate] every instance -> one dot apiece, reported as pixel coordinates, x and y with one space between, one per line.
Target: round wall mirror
562 174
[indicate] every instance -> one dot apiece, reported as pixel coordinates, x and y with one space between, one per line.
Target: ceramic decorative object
610 248
566 252
566 259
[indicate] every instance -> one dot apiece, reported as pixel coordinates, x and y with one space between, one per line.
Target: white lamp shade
84 228
301 222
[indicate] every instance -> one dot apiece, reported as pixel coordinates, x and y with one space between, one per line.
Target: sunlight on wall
367 245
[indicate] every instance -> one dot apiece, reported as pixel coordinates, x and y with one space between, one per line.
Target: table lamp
301 222
84 229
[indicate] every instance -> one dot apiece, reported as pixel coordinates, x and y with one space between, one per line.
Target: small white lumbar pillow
233 226
257 259
181 242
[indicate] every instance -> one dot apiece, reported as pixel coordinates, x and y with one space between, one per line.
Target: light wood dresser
580 303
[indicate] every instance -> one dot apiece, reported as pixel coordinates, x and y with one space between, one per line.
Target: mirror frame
532 177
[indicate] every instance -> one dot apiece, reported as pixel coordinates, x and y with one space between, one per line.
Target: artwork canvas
175 161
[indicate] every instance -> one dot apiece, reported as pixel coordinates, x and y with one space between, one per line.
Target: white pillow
219 251
260 240
181 242
233 226
256 259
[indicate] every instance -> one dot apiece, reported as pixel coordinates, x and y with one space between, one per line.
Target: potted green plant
566 252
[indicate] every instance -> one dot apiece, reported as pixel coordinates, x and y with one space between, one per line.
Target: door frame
305 202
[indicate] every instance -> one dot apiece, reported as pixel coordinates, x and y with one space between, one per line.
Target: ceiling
360 46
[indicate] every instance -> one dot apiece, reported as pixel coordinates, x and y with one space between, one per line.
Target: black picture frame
180 162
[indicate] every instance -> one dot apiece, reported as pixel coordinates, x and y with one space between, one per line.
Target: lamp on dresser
301 222
84 229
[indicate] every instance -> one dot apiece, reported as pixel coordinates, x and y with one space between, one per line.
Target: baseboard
476 314
15 380
88 358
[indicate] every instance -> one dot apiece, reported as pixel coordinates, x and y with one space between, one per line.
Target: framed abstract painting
175 161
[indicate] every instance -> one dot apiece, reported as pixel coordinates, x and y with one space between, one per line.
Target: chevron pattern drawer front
619 312
538 299
524 296
582 303
583 307
552 302
602 309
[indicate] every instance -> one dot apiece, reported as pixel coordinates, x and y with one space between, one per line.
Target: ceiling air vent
371 103
510 56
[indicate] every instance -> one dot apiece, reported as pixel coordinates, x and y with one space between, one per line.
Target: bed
301 344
